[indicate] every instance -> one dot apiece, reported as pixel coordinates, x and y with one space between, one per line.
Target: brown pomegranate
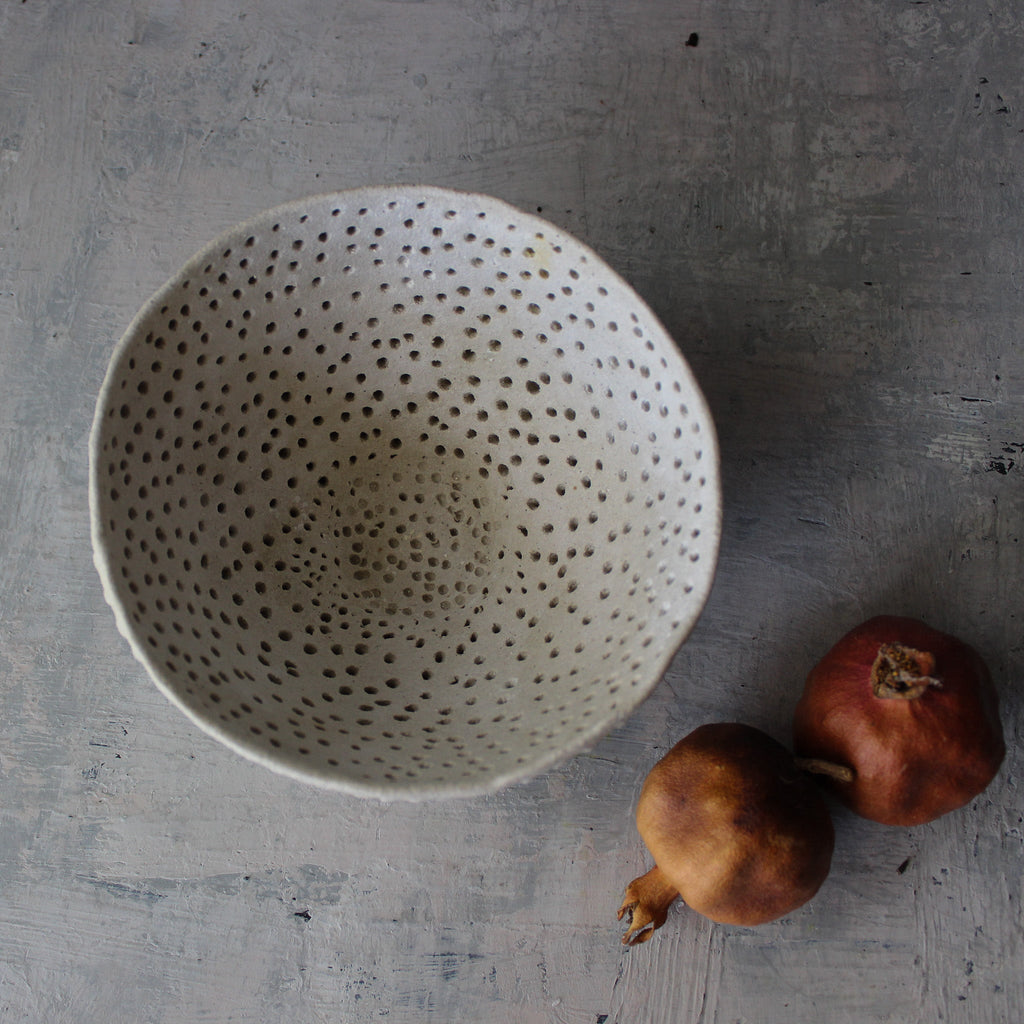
903 719
735 828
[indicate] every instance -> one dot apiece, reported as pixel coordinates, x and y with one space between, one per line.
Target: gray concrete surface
823 202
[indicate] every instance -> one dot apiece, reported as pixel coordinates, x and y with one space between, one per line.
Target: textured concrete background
824 203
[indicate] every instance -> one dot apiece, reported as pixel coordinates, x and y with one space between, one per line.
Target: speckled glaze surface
403 491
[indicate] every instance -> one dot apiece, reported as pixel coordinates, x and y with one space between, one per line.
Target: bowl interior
403 492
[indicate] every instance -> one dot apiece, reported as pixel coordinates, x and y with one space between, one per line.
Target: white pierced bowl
404 492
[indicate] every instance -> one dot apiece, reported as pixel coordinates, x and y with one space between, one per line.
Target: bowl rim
584 739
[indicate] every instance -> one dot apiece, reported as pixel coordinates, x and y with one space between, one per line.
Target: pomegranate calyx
901 672
646 903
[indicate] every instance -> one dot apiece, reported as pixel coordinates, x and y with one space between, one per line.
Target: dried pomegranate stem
818 766
646 902
902 672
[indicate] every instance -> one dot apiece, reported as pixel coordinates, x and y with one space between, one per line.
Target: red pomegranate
903 719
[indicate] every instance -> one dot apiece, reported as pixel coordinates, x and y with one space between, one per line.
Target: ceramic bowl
403 491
